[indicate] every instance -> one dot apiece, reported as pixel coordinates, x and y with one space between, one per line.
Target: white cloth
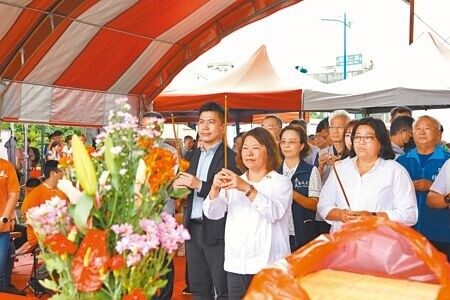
441 184
256 233
288 173
387 188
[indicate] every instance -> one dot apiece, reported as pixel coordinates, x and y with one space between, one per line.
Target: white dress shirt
387 188
441 184
256 233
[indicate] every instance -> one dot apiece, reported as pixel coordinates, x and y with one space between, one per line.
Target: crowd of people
278 188
283 188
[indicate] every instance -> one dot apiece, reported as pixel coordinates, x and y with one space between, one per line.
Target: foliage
117 242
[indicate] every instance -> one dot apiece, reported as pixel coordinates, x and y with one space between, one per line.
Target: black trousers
238 285
207 277
167 291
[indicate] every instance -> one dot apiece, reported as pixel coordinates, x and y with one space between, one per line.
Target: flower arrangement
113 241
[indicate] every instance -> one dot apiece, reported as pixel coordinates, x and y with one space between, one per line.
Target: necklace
259 178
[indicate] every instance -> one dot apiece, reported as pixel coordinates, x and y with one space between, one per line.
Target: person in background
256 205
312 139
400 111
9 196
43 192
273 124
442 142
205 249
238 141
313 154
374 183
401 133
54 151
338 120
82 137
348 134
67 150
439 198
306 183
18 242
24 161
323 140
188 144
423 165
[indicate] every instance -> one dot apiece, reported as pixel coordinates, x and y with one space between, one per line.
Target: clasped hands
227 179
346 216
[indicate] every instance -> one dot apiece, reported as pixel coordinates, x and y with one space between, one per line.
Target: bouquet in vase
113 240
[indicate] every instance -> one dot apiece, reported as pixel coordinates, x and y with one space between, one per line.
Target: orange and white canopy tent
65 61
252 87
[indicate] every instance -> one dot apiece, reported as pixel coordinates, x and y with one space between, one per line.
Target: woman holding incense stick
370 183
256 204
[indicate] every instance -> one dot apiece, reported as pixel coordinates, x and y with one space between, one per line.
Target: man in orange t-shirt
9 195
43 192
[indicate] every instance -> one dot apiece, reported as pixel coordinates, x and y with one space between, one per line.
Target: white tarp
420 77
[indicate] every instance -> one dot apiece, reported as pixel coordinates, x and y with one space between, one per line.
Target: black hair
323 124
187 137
57 133
381 133
214 107
49 166
276 118
299 122
401 122
33 182
400 110
68 138
152 114
303 138
54 144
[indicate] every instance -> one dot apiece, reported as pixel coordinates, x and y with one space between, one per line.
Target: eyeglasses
290 143
366 138
336 127
408 132
348 135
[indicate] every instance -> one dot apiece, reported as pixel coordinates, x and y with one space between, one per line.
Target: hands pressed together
227 179
346 216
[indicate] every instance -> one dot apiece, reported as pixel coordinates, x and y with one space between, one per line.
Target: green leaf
111 163
82 211
60 297
180 193
49 284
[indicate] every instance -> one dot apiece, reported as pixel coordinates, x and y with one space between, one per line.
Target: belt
197 221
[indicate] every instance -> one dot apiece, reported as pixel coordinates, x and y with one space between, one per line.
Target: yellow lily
84 167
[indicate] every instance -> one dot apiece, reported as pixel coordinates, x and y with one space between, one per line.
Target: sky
297 35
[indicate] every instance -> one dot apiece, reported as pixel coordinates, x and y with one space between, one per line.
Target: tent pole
238 121
25 151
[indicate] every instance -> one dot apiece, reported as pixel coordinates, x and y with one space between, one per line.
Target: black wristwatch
447 199
4 220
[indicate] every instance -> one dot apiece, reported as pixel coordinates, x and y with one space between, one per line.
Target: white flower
123 172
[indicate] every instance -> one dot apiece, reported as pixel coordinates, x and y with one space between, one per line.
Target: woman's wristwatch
447 198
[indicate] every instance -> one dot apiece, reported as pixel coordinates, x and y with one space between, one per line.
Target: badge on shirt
3 174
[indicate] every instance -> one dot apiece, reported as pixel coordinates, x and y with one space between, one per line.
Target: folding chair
33 283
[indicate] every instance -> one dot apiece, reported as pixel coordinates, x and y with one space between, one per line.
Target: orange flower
116 262
161 164
145 143
184 165
59 244
90 150
65 162
136 295
90 262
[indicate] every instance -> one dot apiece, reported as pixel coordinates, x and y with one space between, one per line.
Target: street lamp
345 39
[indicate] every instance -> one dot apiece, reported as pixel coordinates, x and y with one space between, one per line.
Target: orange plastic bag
373 247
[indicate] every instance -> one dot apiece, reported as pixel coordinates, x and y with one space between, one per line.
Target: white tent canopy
420 77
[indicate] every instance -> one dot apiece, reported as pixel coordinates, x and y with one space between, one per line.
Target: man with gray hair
423 165
338 120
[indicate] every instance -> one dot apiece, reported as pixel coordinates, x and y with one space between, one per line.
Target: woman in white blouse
374 183
256 204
